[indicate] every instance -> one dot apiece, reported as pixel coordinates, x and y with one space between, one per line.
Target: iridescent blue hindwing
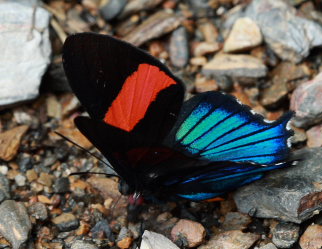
216 127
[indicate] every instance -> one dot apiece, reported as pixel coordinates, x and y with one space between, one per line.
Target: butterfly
159 145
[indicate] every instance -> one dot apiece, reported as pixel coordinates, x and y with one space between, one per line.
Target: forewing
122 85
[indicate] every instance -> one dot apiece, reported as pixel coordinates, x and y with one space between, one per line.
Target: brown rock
314 136
156 48
299 135
209 31
198 61
138 5
54 108
235 65
109 190
306 101
312 237
202 84
193 231
203 48
83 229
231 240
75 135
273 95
107 186
10 141
155 26
44 199
284 78
45 179
31 175
244 35
236 221
125 243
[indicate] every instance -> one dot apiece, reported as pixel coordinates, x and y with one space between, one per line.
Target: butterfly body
160 146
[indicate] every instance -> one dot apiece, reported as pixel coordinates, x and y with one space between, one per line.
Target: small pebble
102 227
235 65
152 240
45 179
31 175
268 246
112 8
236 221
202 84
231 240
62 185
244 35
285 234
39 211
204 48
306 101
192 231
66 222
312 237
179 47
20 180
80 244
3 169
314 136
4 188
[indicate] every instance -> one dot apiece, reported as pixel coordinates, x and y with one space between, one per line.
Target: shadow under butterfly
161 147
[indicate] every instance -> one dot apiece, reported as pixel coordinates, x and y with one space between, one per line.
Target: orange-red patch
215 199
138 92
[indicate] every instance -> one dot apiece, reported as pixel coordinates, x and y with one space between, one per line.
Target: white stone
25 49
151 240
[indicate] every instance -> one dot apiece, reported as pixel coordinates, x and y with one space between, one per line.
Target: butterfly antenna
87 151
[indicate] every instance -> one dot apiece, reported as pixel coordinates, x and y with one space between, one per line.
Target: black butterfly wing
122 85
226 145
133 100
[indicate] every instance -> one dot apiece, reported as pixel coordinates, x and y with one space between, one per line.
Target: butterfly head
135 198
124 188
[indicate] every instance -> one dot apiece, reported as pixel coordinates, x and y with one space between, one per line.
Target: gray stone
151 240
20 180
293 194
15 224
285 234
4 188
290 36
25 49
179 47
112 9
80 244
62 185
268 246
236 221
38 210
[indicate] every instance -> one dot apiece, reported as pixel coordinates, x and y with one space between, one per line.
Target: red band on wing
138 92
